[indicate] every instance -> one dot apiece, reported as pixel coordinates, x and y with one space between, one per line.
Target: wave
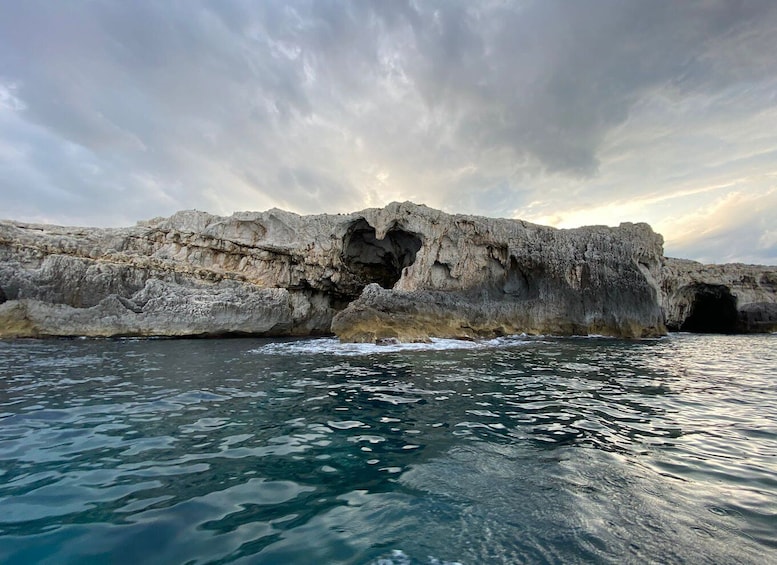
333 346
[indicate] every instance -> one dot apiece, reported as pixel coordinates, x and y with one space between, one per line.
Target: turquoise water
308 451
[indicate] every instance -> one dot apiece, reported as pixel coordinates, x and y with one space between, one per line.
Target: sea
514 450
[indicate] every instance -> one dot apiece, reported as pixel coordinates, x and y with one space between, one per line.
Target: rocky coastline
404 272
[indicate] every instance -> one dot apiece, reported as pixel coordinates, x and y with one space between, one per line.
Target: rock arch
372 260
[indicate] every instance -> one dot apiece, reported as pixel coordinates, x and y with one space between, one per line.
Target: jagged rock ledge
404 271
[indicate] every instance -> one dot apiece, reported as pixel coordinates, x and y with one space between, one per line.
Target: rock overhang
488 275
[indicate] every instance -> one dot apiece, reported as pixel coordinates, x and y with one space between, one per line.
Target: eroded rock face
277 273
477 277
159 309
731 298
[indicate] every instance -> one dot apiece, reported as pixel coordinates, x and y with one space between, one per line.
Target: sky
563 113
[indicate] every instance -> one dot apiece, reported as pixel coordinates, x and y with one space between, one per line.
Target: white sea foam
333 346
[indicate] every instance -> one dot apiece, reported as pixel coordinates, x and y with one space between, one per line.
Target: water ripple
297 451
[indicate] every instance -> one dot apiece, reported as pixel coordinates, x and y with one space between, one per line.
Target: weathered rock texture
481 277
277 273
732 298
404 271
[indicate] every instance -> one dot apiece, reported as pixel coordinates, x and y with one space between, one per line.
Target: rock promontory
404 271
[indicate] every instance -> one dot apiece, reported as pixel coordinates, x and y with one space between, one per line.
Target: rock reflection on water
299 451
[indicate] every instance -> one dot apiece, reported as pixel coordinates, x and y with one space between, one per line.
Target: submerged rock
403 272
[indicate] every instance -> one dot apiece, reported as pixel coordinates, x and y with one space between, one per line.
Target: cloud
736 227
601 111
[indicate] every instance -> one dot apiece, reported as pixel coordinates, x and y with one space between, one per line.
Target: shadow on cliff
372 260
709 308
712 308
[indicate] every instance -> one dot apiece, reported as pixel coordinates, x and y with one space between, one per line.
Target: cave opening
373 260
712 309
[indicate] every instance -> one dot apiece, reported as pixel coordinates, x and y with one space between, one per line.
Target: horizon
556 113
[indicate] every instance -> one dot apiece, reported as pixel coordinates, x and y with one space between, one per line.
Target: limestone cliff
278 273
402 271
719 298
477 276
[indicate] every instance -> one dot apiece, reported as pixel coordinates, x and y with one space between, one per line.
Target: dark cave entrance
372 260
712 309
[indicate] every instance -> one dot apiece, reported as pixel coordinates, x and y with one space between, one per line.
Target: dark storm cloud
111 111
551 78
